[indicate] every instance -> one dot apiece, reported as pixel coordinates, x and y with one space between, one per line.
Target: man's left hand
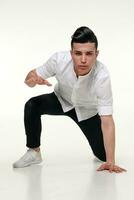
111 168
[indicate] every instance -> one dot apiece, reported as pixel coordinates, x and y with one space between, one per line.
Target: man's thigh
47 104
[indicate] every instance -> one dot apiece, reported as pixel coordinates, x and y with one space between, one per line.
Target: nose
83 59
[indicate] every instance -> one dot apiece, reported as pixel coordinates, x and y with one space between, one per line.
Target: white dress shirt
89 94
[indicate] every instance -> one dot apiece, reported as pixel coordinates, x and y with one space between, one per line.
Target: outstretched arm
108 129
32 79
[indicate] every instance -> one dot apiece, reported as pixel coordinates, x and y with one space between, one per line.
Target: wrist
110 158
110 161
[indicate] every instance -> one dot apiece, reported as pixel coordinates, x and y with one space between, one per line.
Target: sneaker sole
27 164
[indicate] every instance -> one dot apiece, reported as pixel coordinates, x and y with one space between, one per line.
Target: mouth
82 67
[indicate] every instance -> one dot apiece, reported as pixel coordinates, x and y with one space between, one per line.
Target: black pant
49 104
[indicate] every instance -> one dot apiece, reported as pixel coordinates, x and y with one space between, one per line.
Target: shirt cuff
105 110
40 73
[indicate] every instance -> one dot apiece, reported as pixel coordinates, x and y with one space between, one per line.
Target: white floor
68 171
30 32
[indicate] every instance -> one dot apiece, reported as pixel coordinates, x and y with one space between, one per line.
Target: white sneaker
30 157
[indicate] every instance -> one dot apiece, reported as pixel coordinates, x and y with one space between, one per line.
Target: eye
89 53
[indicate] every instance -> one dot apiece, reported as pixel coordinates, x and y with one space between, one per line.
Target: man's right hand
32 79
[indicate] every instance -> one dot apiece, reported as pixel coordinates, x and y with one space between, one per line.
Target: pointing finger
47 83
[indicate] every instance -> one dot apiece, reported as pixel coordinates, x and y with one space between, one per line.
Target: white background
30 32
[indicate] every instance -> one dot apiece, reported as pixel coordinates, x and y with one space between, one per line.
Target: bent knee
30 104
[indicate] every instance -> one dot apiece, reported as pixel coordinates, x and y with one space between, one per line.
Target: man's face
84 57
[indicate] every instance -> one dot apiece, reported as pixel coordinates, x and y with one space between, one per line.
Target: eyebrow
85 52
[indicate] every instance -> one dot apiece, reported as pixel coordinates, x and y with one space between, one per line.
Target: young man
83 93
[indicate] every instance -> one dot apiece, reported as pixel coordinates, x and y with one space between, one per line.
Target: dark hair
82 35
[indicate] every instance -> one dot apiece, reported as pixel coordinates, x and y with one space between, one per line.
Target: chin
82 73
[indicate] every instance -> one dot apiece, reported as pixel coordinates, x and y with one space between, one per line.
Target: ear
97 53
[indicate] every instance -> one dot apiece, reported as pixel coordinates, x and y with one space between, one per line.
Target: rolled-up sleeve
48 69
104 96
